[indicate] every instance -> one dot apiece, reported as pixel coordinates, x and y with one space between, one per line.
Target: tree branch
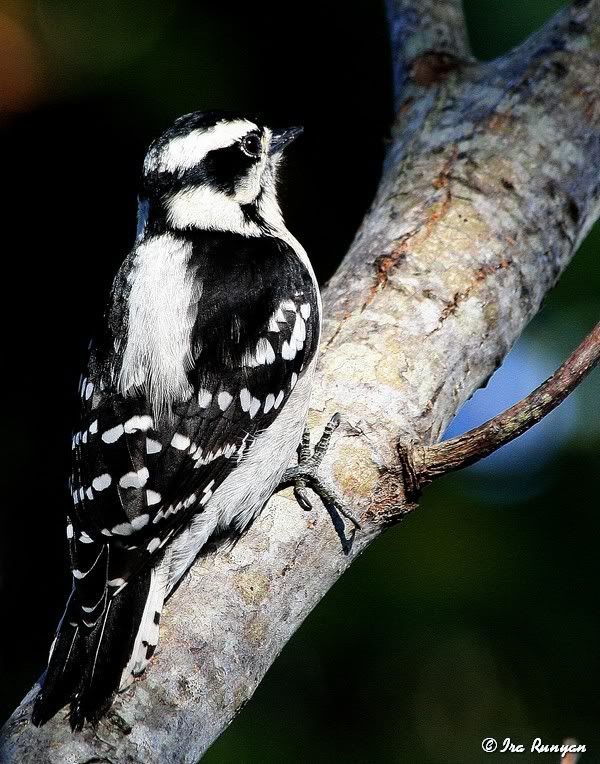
428 38
490 183
432 462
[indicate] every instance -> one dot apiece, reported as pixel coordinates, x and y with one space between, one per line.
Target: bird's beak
281 138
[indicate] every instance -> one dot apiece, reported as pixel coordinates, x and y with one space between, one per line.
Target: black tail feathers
85 664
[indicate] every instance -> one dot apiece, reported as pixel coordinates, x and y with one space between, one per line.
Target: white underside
245 491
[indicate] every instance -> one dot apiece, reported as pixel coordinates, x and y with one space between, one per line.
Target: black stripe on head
221 169
224 168
198 120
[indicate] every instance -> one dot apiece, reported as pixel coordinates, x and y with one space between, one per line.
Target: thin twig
454 454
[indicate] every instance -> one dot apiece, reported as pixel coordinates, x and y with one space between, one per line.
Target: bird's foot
306 474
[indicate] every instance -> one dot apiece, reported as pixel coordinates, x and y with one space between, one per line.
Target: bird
194 399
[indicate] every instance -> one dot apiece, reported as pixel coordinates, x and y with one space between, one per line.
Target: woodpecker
194 399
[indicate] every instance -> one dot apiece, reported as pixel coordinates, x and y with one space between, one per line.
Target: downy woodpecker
194 399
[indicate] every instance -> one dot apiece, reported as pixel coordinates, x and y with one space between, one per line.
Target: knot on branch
410 469
432 67
398 490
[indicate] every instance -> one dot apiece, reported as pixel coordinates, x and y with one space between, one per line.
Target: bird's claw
306 473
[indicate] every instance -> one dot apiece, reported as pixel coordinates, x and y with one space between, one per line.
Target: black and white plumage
194 399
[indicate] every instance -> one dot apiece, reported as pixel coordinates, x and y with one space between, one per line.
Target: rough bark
491 181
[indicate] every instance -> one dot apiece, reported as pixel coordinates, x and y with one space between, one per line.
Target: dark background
477 617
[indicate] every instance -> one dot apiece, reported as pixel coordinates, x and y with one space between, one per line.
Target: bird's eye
251 144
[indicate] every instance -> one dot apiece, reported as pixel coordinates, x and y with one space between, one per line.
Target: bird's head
213 171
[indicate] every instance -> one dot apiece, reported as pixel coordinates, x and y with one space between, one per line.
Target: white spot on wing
112 435
254 406
136 423
152 497
245 399
139 522
264 352
204 398
269 401
122 529
305 310
153 545
135 479
299 332
153 446
89 389
180 442
224 400
207 490
279 399
288 351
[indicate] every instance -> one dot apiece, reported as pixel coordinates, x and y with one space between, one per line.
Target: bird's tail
86 665
146 638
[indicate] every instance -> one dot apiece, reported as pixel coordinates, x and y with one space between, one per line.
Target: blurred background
479 615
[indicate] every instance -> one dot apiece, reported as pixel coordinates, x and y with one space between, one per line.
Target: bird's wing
138 478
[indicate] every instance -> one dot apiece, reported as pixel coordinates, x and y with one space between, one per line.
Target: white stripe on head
186 151
210 210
